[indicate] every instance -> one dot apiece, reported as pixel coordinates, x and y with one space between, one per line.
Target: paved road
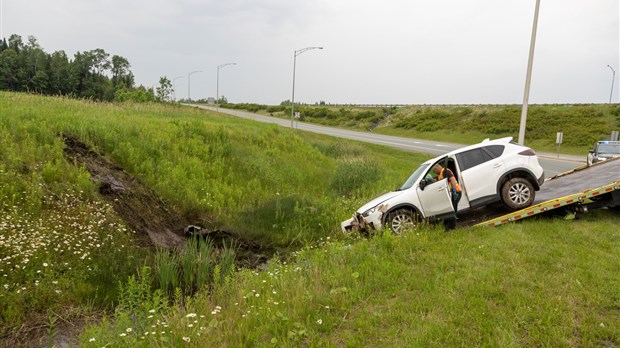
550 162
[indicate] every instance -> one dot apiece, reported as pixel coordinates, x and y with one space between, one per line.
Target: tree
19 74
164 91
81 73
16 43
99 60
60 74
3 45
9 66
27 67
121 72
36 67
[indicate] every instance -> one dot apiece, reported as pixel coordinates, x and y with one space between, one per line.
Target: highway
551 163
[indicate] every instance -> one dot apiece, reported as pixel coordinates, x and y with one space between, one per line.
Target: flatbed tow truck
574 192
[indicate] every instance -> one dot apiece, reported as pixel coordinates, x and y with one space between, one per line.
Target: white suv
488 172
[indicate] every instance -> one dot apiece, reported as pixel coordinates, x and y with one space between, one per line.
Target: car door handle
441 189
497 165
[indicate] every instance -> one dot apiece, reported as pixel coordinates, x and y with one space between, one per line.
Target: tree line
26 67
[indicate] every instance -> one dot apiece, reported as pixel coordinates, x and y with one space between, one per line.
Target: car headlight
381 207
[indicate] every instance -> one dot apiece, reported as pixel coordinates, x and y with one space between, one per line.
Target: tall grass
221 170
259 181
535 283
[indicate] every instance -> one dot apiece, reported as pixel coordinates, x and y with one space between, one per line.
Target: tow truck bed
581 189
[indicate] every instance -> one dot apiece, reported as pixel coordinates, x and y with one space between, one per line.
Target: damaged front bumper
366 222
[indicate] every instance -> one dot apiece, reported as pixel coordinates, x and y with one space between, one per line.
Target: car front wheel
518 193
402 219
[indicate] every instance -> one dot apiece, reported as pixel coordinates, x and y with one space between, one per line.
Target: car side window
431 176
472 158
494 150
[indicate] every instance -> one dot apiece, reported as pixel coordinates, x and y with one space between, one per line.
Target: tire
402 219
518 193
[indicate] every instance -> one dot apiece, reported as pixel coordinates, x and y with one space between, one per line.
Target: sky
375 52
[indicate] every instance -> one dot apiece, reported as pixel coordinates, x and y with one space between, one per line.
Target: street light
217 93
613 77
530 62
189 75
174 86
298 52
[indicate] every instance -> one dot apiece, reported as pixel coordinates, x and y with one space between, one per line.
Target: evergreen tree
26 67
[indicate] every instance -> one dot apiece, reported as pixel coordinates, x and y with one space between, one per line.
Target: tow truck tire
518 193
402 219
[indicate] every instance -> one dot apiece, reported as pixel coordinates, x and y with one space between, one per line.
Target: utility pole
526 94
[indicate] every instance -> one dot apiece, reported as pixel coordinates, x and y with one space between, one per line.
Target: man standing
455 193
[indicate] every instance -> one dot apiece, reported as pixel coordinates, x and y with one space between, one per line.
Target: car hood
375 202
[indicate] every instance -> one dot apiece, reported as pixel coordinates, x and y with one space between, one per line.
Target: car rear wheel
518 193
402 219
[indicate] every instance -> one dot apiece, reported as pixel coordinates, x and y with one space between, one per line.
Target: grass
549 283
220 170
258 181
66 254
582 125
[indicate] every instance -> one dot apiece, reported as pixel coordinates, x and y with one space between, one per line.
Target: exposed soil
156 225
63 333
154 220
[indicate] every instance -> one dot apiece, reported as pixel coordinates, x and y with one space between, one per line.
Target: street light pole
526 94
297 52
174 86
217 91
189 75
613 77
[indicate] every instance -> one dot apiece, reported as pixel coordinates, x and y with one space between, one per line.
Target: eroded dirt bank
153 219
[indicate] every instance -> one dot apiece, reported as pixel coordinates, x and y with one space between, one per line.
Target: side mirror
423 184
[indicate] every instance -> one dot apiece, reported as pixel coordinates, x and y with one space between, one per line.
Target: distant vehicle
488 172
603 150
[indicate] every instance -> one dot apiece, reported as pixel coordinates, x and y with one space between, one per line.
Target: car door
435 197
481 169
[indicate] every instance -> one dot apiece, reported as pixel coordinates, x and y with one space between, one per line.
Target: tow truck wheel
518 193
402 219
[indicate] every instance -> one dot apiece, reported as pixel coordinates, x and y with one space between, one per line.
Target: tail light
528 152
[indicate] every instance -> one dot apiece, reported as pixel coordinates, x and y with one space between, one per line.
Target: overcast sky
384 52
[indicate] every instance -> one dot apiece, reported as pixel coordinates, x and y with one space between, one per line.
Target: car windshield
412 179
609 149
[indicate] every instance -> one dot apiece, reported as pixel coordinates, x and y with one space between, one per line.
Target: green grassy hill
221 171
72 267
582 125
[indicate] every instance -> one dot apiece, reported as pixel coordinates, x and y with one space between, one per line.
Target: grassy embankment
548 282
62 246
582 125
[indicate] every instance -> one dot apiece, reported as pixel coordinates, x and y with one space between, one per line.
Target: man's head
437 169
